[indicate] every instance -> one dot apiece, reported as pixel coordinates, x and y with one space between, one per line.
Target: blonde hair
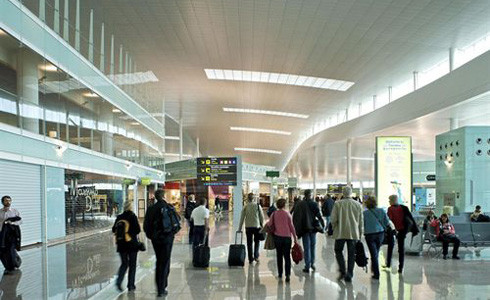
128 205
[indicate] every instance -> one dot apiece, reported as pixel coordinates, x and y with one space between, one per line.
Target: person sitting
446 234
430 217
478 216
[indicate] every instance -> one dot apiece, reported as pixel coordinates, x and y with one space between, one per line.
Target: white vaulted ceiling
374 43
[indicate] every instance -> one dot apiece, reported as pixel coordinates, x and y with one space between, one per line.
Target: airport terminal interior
114 109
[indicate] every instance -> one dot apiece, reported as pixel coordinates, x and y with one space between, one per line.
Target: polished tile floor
86 268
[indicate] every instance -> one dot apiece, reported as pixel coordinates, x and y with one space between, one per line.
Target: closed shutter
22 182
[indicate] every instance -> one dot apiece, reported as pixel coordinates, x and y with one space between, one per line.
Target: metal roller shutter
23 183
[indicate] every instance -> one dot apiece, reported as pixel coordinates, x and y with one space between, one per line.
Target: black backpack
122 228
170 220
361 258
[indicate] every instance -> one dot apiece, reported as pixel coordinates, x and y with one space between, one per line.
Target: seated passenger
430 217
478 216
446 234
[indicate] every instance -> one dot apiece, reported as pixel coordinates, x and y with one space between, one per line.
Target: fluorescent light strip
177 155
261 130
265 112
169 137
279 78
258 150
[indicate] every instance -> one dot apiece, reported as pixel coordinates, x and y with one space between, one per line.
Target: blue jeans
374 242
309 244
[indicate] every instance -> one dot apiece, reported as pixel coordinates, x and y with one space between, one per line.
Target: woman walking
126 228
282 227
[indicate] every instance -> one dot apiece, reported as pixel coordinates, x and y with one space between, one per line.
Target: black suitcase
200 255
236 255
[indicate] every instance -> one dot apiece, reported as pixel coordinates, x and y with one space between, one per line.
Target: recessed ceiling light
135 123
265 112
261 130
116 110
91 95
169 137
258 150
279 78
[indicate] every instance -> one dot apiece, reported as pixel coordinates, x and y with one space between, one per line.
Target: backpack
122 231
170 220
361 258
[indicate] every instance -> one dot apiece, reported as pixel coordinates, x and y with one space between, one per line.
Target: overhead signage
431 177
213 171
293 182
394 169
272 173
335 188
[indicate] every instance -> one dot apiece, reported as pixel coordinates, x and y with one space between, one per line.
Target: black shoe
306 270
347 279
256 260
313 268
444 257
161 294
400 270
287 279
375 277
131 289
119 287
455 257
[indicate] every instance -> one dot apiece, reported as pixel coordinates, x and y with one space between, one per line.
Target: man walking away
253 216
348 227
200 218
191 204
160 225
327 209
10 221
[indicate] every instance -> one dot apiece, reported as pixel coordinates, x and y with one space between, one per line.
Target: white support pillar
315 169
77 27
349 161
415 80
390 94
361 190
237 195
163 126
135 197
197 148
66 21
102 50
126 63
56 17
42 10
121 59
181 140
451 59
91 37
28 88
374 102
453 123
111 67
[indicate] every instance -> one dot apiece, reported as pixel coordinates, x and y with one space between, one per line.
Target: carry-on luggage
201 255
236 255
297 253
414 244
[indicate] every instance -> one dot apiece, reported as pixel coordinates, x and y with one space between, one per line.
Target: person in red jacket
446 234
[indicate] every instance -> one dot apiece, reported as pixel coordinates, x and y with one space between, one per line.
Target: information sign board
217 170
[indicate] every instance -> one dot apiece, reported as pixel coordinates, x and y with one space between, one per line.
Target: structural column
181 140
107 144
453 123
349 161
28 89
237 195
315 168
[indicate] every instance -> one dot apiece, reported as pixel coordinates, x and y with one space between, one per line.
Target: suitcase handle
241 237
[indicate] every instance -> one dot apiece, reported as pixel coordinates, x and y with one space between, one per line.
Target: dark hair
5 198
201 200
281 203
250 196
371 202
159 194
478 207
444 215
307 194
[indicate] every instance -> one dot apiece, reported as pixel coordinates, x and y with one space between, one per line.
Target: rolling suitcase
201 254
236 255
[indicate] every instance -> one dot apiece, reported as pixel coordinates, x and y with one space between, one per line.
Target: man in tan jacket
253 217
348 227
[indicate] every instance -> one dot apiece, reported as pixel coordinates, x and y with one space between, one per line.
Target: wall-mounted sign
394 169
217 170
272 174
145 180
335 188
430 177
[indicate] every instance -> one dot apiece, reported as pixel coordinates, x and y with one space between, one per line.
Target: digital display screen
217 170
394 169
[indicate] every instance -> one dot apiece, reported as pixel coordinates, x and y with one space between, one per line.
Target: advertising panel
394 169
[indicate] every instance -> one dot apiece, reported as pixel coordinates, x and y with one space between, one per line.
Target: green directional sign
272 173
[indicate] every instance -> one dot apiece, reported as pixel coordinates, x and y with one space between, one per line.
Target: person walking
348 227
327 209
446 234
126 227
308 220
10 222
162 238
375 224
191 204
253 217
404 222
200 218
282 224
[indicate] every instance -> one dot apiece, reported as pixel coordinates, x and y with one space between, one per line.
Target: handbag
261 232
388 233
269 242
297 253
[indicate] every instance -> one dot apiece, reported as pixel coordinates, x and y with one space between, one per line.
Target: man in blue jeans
308 221
348 227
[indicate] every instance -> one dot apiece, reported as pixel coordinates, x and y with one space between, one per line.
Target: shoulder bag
261 232
388 233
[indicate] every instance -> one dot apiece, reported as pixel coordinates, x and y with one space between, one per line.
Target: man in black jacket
162 241
191 204
10 235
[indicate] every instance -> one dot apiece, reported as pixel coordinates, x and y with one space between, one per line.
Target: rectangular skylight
265 112
261 130
258 150
279 78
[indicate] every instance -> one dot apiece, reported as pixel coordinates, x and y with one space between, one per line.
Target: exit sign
272 173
